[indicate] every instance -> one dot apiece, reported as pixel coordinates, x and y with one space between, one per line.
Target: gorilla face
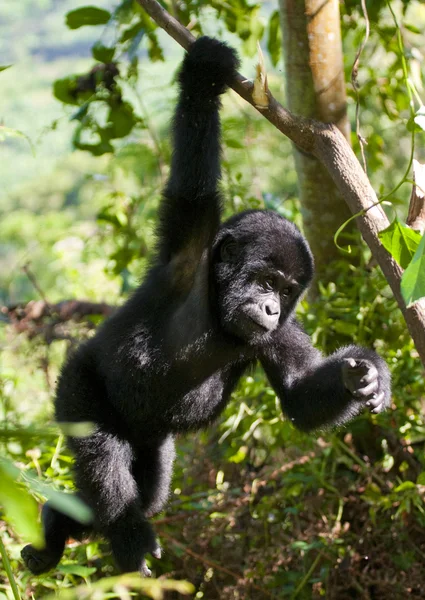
262 265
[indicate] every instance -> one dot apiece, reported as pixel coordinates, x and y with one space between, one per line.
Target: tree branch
327 144
39 317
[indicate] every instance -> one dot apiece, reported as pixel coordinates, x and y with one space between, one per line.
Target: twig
31 277
35 311
325 142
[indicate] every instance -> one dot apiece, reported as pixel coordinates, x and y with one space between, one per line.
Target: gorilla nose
272 311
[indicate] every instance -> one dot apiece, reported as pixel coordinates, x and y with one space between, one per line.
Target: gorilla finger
144 570
156 553
375 400
349 363
366 391
378 409
370 375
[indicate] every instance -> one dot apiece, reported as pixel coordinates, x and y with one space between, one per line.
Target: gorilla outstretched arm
318 392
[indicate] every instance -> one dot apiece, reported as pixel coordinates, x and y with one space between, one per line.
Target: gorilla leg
57 529
103 465
153 470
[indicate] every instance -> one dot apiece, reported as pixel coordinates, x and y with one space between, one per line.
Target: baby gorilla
217 299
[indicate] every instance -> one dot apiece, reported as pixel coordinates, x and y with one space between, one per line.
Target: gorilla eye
286 291
229 250
269 284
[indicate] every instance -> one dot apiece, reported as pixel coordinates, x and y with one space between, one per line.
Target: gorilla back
217 298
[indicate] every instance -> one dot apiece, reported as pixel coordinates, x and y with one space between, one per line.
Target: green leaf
19 506
153 588
132 32
345 327
79 570
80 429
121 120
68 504
413 280
154 49
87 15
406 485
102 53
412 28
274 42
4 67
64 89
232 143
95 149
421 479
401 242
420 117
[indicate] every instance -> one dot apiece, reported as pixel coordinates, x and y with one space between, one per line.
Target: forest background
258 509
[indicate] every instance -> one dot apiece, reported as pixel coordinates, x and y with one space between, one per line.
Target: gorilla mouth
258 324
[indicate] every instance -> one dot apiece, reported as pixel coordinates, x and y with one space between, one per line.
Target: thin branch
39 317
326 143
32 278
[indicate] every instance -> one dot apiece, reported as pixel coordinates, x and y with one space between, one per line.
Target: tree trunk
315 88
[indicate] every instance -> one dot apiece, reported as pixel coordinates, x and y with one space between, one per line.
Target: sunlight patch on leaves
413 280
152 588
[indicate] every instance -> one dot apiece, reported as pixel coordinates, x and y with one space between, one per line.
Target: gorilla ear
229 250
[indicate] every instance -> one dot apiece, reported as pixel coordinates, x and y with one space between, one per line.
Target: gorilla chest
203 402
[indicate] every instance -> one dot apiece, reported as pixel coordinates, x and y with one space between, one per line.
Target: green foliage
274 43
87 15
400 241
102 53
413 280
152 588
19 506
408 249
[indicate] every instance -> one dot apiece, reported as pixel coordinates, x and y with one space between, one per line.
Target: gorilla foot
39 561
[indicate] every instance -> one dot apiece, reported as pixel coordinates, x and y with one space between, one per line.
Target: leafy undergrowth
258 509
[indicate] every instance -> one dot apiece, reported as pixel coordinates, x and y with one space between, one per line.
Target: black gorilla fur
217 299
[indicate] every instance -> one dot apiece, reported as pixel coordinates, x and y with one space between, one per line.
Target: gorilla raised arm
217 298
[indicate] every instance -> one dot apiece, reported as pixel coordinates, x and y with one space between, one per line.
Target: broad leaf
68 504
4 67
274 43
121 120
79 570
87 15
102 53
413 280
20 507
65 89
401 242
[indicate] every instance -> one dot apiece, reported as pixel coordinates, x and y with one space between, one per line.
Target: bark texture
315 88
